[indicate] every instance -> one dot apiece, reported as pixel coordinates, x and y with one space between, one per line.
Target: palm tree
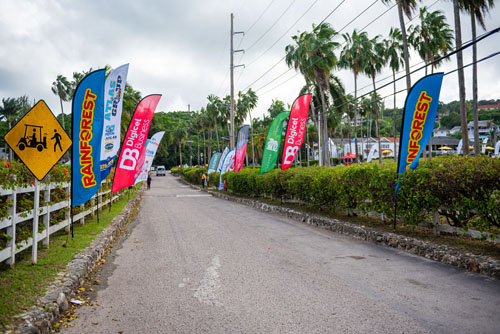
246 103
432 38
62 88
353 57
180 134
213 109
373 66
196 126
393 52
12 110
461 77
313 56
476 9
407 7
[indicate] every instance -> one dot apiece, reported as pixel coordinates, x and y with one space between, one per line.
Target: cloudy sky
180 49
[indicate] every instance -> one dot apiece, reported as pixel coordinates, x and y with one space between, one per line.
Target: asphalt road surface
197 264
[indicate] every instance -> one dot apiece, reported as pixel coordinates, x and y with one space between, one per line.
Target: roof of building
489 106
444 140
482 124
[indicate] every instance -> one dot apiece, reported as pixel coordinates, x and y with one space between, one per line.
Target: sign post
40 142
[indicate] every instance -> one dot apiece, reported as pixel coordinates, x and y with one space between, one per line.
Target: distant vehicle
152 169
160 171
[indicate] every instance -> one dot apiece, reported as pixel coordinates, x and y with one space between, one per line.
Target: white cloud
181 49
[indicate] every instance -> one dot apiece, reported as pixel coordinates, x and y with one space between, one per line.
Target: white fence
42 212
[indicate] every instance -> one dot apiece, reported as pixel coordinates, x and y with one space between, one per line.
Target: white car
160 171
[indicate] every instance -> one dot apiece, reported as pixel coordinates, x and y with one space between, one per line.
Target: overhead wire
467 45
281 59
283 35
366 26
272 26
357 16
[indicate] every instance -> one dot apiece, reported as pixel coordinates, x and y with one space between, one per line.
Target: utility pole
231 69
189 130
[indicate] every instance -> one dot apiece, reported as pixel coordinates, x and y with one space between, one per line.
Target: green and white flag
214 161
273 140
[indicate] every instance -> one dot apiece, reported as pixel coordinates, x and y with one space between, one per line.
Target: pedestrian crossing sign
38 140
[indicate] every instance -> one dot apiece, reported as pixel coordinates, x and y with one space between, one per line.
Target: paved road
197 264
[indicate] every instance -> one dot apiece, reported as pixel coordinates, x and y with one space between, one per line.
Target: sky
181 49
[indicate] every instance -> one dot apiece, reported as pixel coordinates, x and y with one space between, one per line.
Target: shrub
464 190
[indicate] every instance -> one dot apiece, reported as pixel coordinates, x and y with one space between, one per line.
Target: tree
246 103
353 57
461 78
407 7
12 110
180 135
476 9
213 109
313 56
373 66
276 107
62 88
432 38
393 53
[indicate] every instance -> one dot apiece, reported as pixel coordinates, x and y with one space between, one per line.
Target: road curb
484 265
56 302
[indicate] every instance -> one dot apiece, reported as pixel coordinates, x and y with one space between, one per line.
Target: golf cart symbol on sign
33 138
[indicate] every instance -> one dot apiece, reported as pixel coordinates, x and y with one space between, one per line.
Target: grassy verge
460 243
23 285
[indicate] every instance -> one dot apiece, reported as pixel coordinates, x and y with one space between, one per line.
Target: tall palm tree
353 57
393 54
407 7
461 77
313 56
62 88
476 9
180 134
335 94
373 66
213 109
246 103
432 38
197 126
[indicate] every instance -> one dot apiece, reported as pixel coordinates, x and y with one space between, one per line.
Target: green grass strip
23 285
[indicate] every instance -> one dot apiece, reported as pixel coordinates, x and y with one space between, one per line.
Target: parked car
160 171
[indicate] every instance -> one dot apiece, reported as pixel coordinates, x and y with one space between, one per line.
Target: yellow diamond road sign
38 140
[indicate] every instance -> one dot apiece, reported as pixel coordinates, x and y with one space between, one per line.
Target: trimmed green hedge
464 190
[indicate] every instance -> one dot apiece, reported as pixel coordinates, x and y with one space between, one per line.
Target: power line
435 61
331 12
377 18
260 16
272 26
283 35
355 18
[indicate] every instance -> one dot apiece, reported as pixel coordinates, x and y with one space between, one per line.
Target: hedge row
463 190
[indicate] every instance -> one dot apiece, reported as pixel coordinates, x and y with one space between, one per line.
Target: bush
464 190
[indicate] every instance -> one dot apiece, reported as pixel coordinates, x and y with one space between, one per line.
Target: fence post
68 213
92 206
46 217
34 245
435 223
82 208
11 231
